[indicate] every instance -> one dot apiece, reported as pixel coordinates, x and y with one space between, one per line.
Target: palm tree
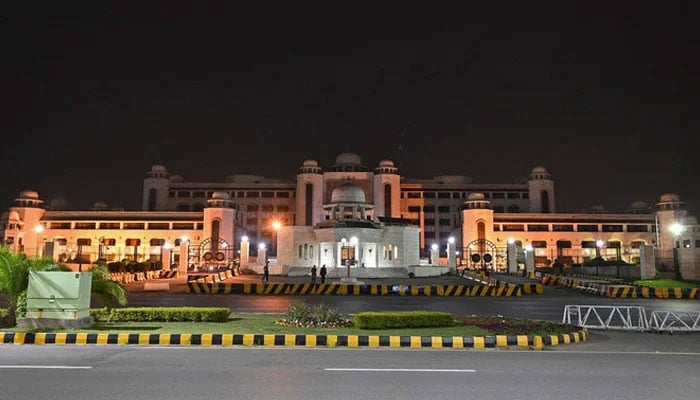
14 279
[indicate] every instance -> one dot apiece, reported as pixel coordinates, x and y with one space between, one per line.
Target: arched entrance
212 255
480 254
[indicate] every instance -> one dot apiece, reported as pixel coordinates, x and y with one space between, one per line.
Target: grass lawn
265 324
669 283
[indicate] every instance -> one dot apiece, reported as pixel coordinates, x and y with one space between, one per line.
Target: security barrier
674 321
606 317
203 287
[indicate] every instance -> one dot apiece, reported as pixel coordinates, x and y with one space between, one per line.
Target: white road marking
44 367
397 370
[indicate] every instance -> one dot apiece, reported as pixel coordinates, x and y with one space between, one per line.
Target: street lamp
598 245
38 229
676 229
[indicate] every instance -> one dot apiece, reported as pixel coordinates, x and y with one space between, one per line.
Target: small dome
99 206
175 178
539 170
220 196
638 205
670 198
29 194
310 163
476 196
597 208
158 168
386 164
10 216
348 159
348 193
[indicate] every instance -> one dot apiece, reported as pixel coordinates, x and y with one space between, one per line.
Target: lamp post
598 245
38 229
676 229
276 225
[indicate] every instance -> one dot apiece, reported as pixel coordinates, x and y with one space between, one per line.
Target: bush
162 314
400 320
300 313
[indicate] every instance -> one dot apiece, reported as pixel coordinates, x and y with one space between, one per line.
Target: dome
670 198
638 205
386 164
348 159
99 206
348 193
476 196
539 170
220 196
310 163
29 194
175 178
597 208
158 168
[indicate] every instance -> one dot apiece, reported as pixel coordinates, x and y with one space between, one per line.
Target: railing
630 318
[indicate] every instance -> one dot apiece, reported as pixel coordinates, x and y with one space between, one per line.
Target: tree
14 280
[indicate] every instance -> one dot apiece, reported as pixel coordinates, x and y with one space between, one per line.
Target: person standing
323 273
266 272
313 274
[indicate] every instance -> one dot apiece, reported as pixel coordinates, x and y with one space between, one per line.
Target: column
166 257
245 253
530 261
647 262
512 256
262 255
184 256
451 254
434 255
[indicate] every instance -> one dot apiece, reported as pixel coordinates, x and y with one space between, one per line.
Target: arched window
396 252
306 251
301 249
311 251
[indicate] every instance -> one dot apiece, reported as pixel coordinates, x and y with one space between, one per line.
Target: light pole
38 229
598 245
676 229
276 225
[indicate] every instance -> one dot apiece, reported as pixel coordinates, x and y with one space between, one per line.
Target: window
183 225
198 207
697 243
429 221
133 242
497 227
456 195
268 208
171 194
157 242
252 194
563 244
183 193
84 242
562 228
429 195
444 209
513 195
183 207
612 228
268 194
498 195
283 195
444 221
525 196
413 208
498 209
637 228
537 228
588 244
134 225
429 209
109 242
513 227
301 254
686 243
636 244
414 195
251 221
443 195
60 225
430 235
85 225
240 194
513 208
587 228
158 225
109 225
282 208
200 194
252 207
613 244
539 244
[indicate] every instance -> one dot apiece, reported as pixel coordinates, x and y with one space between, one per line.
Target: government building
351 215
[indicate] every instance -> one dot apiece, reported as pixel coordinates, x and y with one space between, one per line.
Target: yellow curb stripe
436 342
206 339
353 341
248 339
268 340
290 340
537 342
143 338
501 340
311 340
331 340
567 339
164 339
61 338
186 339
479 342
227 339
81 338
522 340
19 338
39 338
373 341
2 337
394 341
415 342
457 342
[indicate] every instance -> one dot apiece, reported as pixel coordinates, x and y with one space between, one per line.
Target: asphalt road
548 307
75 372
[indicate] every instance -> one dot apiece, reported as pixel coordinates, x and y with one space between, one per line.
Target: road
593 370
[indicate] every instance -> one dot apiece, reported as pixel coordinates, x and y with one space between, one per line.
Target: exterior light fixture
451 240
353 240
599 243
184 238
528 247
676 228
167 245
261 246
244 238
511 240
434 246
276 225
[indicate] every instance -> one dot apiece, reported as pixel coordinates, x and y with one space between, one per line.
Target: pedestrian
323 273
313 274
266 272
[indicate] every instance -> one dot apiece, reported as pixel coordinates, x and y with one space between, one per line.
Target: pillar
245 253
184 257
434 255
512 256
530 261
647 262
262 255
451 255
166 258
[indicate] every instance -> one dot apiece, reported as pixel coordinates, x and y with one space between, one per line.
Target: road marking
44 367
397 370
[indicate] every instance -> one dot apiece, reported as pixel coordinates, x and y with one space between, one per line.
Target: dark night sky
601 95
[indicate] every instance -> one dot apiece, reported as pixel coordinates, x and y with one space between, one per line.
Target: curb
327 341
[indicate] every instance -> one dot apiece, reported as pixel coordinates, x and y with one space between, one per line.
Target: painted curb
328 341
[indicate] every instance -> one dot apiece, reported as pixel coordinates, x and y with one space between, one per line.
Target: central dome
348 159
348 193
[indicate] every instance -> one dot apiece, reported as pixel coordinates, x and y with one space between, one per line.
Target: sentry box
58 300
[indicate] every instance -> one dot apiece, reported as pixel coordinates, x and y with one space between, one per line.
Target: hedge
400 320
163 314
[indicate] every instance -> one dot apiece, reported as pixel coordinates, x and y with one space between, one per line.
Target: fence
630 318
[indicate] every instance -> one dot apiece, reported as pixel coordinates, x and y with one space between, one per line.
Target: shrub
163 314
301 314
400 320
512 326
